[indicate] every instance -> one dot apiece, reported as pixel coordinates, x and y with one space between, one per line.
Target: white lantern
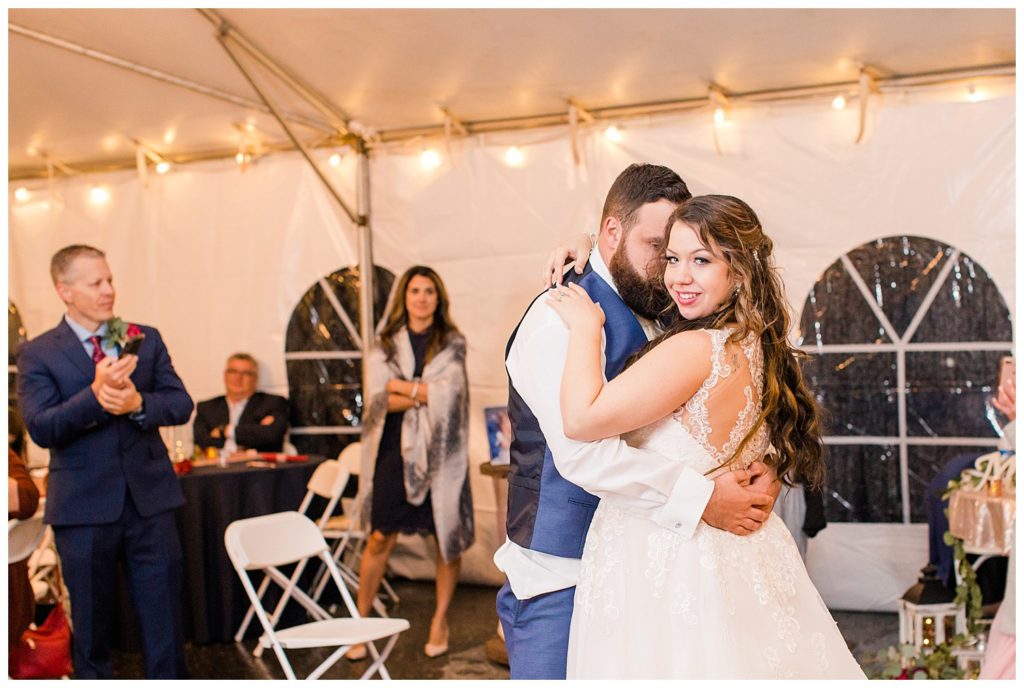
928 615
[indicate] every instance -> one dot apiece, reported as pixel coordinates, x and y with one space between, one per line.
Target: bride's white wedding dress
652 604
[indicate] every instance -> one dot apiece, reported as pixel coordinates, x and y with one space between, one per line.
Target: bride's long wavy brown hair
729 228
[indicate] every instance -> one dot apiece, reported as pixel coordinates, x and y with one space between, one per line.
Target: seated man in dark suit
243 418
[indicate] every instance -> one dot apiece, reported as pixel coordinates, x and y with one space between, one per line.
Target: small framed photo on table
499 433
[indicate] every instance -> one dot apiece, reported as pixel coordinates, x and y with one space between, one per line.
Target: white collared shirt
642 481
235 411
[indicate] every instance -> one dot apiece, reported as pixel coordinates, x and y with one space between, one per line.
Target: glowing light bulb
719 115
973 94
334 160
430 159
99 195
839 102
613 133
240 157
21 194
163 167
514 157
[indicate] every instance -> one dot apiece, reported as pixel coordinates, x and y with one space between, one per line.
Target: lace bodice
693 426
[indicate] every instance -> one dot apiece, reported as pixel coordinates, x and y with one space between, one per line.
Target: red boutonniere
118 332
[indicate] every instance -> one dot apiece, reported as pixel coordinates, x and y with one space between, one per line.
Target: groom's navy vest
546 512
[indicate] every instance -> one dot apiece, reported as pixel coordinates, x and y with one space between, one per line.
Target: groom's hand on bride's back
763 479
736 505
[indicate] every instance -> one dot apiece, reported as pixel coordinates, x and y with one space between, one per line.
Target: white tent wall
217 259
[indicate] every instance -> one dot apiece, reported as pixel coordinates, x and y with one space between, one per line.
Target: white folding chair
350 538
268 542
328 481
42 568
23 537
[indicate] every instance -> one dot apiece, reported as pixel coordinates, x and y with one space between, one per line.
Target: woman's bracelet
415 388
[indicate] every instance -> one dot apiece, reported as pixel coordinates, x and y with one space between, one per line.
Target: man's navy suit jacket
96 458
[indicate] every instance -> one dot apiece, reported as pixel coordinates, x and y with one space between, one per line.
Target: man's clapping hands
113 387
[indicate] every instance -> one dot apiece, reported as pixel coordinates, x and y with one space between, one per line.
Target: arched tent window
905 335
324 361
16 336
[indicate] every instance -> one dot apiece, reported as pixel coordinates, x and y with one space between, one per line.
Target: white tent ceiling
392 69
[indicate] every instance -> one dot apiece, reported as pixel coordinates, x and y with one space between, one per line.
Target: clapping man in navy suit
111 492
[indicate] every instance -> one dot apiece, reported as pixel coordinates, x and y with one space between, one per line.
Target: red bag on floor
43 652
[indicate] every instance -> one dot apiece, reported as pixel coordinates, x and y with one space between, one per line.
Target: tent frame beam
885 84
166 77
337 118
539 121
227 34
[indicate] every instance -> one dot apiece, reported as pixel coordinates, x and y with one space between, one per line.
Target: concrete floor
473 622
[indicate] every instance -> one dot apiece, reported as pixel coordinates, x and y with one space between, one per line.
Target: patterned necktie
97 350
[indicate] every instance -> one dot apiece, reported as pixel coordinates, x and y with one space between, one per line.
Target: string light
973 94
719 115
21 194
99 195
613 133
839 102
334 160
163 167
240 157
430 159
514 157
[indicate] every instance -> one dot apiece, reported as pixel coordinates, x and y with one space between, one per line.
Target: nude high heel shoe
433 650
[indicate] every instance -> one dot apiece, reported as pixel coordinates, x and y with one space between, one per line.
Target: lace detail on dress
695 420
694 416
592 595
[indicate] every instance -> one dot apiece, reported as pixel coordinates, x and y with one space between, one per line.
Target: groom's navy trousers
537 631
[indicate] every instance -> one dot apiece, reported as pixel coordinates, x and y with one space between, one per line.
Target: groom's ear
611 229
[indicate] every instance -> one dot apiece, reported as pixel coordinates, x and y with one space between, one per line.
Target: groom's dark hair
638 184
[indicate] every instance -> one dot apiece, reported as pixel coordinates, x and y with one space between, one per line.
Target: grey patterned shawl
435 447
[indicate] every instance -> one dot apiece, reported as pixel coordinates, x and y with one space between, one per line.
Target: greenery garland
968 592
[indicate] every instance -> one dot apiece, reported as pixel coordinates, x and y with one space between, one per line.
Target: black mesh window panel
904 336
324 362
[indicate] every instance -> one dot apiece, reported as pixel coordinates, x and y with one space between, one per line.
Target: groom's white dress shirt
666 491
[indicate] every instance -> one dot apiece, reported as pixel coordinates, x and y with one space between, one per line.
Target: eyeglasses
236 371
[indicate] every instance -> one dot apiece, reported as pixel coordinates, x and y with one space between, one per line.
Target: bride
715 390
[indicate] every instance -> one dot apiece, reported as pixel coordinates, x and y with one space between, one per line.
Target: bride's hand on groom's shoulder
578 248
575 307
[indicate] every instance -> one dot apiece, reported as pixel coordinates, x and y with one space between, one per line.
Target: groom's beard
646 296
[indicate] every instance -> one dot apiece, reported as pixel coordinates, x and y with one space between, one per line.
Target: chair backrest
23 537
328 480
351 458
273 540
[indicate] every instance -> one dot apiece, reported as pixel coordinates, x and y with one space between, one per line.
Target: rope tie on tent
577 113
719 105
867 84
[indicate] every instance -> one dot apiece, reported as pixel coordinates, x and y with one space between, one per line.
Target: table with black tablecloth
214 600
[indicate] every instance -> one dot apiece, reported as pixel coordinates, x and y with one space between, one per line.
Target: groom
555 483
